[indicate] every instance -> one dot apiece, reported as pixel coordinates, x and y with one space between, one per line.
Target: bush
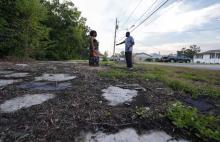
149 60
187 117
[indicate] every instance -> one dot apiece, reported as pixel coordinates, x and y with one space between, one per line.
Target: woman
94 49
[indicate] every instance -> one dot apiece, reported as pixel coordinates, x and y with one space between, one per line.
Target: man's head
127 34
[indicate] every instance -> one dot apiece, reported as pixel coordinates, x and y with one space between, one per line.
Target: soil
82 107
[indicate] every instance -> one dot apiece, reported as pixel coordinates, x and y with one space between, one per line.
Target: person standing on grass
129 43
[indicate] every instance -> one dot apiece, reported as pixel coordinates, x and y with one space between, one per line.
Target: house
141 57
117 57
209 57
155 57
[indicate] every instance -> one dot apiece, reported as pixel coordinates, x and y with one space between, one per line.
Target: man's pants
128 56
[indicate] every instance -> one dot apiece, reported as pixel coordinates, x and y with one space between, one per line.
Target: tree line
42 29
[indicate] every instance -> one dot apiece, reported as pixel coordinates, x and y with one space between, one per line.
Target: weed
187 117
108 114
142 112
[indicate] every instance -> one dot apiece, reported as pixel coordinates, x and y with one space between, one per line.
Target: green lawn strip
196 75
189 88
193 77
107 63
204 126
167 75
172 77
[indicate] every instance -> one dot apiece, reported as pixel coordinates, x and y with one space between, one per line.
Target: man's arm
120 43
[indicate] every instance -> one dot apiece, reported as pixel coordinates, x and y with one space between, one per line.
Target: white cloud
218 38
179 17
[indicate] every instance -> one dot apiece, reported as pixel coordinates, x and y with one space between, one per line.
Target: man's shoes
130 69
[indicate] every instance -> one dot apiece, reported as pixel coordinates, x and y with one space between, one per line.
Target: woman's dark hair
92 33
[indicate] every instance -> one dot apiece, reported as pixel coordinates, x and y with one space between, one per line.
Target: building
208 57
141 57
155 57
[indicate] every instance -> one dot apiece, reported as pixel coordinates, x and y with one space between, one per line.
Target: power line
146 11
132 13
149 16
158 17
123 12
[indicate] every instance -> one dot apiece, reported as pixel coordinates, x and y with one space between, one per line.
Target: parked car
173 59
182 59
168 59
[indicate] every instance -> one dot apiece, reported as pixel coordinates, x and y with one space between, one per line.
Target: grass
203 126
190 81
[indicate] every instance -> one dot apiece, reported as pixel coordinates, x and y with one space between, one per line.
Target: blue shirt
129 42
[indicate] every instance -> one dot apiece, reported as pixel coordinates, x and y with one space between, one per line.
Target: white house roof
210 51
136 54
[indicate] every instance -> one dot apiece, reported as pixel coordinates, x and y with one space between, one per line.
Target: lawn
192 81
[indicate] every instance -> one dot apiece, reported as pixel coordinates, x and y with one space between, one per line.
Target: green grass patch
188 88
107 63
193 82
193 77
205 127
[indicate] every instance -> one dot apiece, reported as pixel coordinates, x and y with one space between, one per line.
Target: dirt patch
91 68
82 107
199 103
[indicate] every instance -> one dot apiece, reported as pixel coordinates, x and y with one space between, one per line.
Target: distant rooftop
210 51
142 54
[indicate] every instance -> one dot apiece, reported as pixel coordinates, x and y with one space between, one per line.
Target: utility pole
116 28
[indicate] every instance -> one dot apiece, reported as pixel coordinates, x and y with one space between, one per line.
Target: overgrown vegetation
187 117
42 29
193 82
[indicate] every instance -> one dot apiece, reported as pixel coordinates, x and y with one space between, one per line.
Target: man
129 43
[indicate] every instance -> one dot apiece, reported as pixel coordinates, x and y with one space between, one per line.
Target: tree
8 27
122 54
189 52
42 29
32 31
20 26
105 57
68 34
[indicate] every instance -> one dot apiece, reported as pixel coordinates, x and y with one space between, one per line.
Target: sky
178 24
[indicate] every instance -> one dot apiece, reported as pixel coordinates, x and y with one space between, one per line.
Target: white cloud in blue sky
179 23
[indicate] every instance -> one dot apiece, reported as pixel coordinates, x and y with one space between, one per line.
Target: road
194 66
